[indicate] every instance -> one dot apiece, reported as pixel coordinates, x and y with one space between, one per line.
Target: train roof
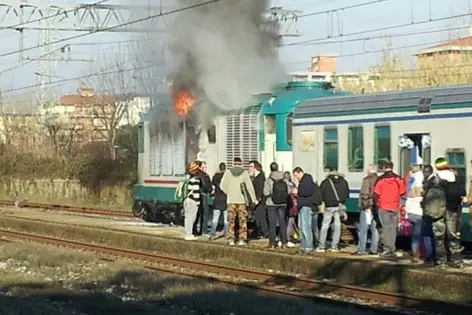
406 99
286 99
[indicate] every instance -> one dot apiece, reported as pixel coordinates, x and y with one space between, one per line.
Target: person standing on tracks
366 216
219 203
237 185
260 212
308 199
334 191
414 210
192 201
387 192
446 229
277 191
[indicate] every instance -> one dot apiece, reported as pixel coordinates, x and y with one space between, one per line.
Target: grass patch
62 281
392 278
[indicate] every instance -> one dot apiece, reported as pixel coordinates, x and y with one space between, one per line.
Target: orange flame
182 102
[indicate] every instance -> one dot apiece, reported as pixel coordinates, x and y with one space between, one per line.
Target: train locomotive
261 131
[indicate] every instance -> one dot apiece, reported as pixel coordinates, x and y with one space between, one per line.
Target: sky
410 25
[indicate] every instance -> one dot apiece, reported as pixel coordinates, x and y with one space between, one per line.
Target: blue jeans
429 238
329 214
363 230
305 218
216 218
315 229
417 222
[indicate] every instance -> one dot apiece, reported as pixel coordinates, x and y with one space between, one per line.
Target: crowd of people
286 207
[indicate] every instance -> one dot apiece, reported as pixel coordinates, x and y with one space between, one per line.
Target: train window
288 129
457 161
355 149
140 138
382 145
211 133
330 148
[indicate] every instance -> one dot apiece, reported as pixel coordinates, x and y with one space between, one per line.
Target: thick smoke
222 52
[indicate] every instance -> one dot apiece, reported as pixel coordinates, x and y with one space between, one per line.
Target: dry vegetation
49 280
394 73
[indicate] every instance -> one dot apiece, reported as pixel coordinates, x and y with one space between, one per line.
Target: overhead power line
377 29
150 17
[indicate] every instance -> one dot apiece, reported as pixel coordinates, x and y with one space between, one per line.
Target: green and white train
303 124
414 126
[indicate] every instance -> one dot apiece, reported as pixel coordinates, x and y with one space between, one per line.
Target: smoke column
222 53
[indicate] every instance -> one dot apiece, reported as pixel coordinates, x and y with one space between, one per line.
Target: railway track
79 210
285 285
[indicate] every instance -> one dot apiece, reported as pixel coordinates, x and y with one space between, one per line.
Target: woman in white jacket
413 207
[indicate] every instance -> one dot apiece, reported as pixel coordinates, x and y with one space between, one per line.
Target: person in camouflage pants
240 211
237 185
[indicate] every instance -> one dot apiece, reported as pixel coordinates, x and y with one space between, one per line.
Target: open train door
414 149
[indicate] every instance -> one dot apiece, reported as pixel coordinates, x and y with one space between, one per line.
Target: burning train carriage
260 132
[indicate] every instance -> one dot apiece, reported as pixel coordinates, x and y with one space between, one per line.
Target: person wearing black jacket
448 237
202 223
334 192
260 213
308 198
219 203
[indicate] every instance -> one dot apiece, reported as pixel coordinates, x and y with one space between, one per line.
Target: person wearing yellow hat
192 200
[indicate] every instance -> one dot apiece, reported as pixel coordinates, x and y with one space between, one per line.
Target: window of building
330 148
211 133
288 129
457 161
382 146
355 149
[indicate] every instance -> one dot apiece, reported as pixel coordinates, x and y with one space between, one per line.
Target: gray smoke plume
223 53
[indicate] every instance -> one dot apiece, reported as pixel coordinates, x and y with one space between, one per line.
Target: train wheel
138 209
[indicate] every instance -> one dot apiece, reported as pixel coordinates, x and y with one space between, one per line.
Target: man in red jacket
387 191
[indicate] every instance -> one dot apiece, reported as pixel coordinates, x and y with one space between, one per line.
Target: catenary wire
161 14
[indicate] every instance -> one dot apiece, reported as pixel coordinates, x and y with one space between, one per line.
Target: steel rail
268 280
73 209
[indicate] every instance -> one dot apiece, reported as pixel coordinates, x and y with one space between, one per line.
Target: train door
414 149
269 142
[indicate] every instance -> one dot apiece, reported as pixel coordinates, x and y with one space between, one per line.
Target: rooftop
455 45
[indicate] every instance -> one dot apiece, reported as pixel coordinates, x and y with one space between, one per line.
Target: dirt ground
38 279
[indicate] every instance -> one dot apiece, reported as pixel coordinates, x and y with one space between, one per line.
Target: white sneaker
241 243
320 250
191 238
231 243
290 245
279 244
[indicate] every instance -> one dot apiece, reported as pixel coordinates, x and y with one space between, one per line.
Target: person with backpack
276 191
433 205
447 234
219 204
388 191
334 191
192 201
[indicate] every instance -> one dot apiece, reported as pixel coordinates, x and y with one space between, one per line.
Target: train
313 125
405 127
260 131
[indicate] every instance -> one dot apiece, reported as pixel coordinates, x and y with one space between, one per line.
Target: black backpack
434 201
279 192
